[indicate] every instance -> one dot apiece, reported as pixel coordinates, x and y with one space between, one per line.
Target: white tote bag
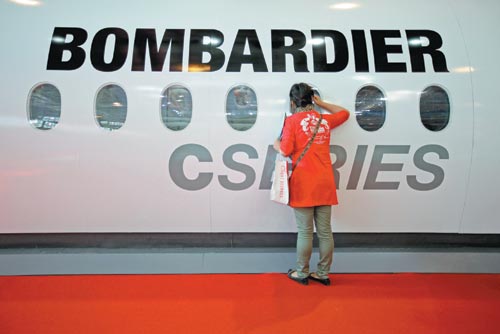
279 188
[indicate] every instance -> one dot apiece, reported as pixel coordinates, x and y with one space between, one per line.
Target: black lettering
256 56
360 51
59 44
119 52
417 50
157 56
66 51
381 50
319 51
279 50
197 48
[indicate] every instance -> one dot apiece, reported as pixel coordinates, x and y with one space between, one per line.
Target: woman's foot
292 274
315 277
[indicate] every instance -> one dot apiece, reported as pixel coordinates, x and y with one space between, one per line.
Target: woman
312 184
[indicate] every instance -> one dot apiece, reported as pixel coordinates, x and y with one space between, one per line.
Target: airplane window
111 107
176 107
370 108
44 106
241 107
434 108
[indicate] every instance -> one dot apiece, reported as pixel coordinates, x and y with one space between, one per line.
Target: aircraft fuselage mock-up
160 116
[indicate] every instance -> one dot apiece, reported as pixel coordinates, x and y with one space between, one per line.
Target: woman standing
312 184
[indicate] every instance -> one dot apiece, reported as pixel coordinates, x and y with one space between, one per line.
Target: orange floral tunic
312 182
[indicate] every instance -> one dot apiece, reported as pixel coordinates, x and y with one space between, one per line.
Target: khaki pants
304 218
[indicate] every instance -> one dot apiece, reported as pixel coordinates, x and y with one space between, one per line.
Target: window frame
95 106
449 106
162 96
226 107
29 104
385 100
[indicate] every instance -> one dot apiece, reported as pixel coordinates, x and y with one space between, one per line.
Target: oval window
176 107
370 108
434 108
44 107
241 107
111 107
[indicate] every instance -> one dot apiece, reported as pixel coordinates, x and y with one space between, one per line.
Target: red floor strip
264 303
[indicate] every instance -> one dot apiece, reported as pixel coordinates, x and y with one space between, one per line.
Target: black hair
301 94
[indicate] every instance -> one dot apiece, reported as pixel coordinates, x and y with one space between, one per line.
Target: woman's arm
331 108
277 144
285 144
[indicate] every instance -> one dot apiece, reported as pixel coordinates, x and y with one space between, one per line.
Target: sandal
303 281
324 281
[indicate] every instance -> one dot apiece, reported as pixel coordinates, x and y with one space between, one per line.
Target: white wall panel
479 25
